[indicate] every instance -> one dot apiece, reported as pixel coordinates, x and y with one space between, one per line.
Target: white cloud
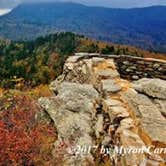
4 11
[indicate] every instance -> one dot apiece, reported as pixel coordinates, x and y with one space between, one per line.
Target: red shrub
23 140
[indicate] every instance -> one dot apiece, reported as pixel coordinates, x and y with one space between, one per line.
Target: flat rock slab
110 86
131 140
108 103
155 130
74 59
126 123
142 106
107 73
161 104
97 60
152 87
152 122
117 112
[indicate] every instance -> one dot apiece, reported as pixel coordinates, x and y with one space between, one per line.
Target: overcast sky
107 3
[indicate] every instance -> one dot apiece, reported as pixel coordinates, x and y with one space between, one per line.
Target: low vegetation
24 138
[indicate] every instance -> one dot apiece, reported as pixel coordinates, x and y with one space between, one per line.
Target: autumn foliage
24 140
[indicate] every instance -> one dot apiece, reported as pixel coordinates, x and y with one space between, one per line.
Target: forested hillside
31 63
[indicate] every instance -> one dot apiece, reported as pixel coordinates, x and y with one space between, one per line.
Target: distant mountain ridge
141 27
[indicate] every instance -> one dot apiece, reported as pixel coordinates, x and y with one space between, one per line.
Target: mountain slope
142 27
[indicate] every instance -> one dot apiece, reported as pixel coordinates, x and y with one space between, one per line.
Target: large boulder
72 112
152 87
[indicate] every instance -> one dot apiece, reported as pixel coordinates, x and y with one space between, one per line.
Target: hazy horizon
8 4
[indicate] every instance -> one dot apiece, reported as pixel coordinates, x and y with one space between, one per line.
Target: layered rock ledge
93 107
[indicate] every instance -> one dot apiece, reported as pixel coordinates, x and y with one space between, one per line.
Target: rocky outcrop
72 111
103 119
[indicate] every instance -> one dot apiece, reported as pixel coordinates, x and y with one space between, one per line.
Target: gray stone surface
142 105
152 122
108 103
97 60
135 77
109 86
152 87
74 59
108 73
155 129
99 127
73 113
117 112
161 104
81 54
